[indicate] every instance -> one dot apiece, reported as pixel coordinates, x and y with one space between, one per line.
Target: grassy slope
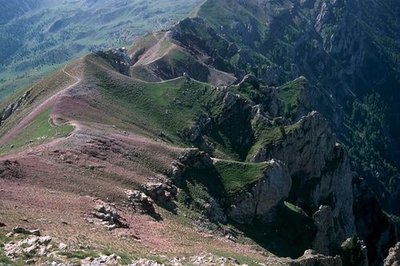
38 131
40 91
236 176
289 93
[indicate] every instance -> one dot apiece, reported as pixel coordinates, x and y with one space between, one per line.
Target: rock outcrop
33 246
109 217
320 171
311 257
13 107
118 58
102 260
257 202
162 193
393 259
142 204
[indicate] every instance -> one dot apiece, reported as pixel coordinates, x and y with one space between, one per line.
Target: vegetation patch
41 129
235 176
289 93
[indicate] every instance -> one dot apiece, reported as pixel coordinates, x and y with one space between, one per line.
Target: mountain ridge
263 157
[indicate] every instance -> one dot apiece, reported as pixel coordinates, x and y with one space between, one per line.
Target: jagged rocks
163 193
109 217
326 234
31 247
311 258
319 168
393 259
267 193
102 260
118 58
10 109
142 203
305 149
215 213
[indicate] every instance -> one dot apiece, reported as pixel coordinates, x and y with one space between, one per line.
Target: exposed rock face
311 258
258 201
215 213
393 259
142 203
354 252
13 107
191 158
163 193
373 226
320 171
326 234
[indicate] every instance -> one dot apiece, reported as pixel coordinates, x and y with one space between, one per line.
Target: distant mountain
38 36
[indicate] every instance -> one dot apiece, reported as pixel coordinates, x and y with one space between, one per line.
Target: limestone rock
110 217
32 246
393 259
163 193
267 193
320 170
142 203
326 234
311 258
354 252
102 260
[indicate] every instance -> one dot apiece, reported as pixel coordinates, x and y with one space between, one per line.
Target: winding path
39 109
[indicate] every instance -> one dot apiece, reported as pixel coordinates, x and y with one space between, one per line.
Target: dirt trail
153 53
38 110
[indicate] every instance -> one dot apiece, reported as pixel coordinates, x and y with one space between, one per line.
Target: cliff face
322 179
